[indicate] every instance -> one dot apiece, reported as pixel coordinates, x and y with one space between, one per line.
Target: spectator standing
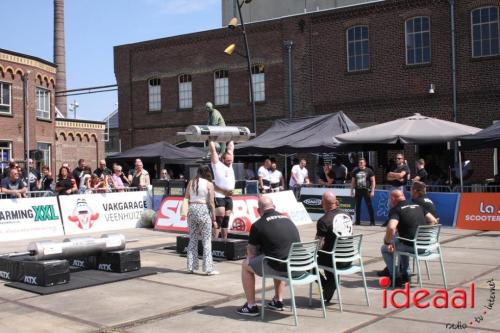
65 184
117 179
326 175
47 180
13 186
140 178
79 170
163 174
398 176
421 173
201 217
34 178
339 171
249 172
276 180
363 187
102 170
299 176
263 173
84 176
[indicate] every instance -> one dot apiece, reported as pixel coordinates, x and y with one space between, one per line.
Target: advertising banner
29 218
245 212
102 211
311 199
479 211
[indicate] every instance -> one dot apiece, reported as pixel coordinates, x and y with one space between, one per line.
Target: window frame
157 96
421 32
188 91
40 113
472 31
226 95
10 98
43 151
261 73
349 70
6 164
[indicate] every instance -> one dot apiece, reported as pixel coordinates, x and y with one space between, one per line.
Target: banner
311 198
29 218
245 212
102 211
479 211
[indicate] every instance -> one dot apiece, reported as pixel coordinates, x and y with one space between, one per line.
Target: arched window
221 87
358 49
259 82
418 40
185 91
485 32
154 90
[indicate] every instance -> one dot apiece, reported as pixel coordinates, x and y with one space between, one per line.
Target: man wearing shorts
271 235
224 182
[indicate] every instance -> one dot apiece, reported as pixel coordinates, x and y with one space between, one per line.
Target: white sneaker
213 273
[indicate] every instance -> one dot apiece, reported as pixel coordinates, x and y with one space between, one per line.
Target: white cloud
184 6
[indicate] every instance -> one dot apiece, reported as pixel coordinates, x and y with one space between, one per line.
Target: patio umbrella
416 129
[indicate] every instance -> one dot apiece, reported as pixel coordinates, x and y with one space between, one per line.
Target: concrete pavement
173 301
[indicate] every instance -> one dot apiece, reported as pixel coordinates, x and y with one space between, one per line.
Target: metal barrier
113 190
430 187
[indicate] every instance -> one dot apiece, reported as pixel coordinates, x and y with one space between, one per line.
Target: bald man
271 235
335 222
404 218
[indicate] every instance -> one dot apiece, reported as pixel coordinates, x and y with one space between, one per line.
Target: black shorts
226 202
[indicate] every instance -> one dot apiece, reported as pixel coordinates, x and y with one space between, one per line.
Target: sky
92 29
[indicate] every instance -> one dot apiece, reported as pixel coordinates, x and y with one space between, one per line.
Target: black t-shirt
46 182
423 175
427 205
65 184
274 234
362 178
99 172
399 169
410 216
77 174
33 177
329 225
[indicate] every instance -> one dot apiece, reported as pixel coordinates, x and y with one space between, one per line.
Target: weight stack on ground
232 249
83 263
39 273
10 269
119 261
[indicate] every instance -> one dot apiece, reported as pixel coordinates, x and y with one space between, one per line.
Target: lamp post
233 23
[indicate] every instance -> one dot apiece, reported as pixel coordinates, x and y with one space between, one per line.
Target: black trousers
328 281
364 193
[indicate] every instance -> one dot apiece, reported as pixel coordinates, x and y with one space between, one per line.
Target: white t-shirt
223 177
300 174
275 176
264 173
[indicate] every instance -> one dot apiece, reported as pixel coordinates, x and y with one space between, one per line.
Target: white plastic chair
346 249
427 240
302 268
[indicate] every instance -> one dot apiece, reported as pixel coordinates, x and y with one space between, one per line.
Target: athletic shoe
384 272
213 273
275 305
247 311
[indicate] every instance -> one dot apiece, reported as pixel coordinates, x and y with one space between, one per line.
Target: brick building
376 62
58 139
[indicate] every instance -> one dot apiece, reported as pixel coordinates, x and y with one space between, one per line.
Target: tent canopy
487 138
309 134
416 129
164 151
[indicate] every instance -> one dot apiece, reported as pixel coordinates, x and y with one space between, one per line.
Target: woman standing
65 184
200 218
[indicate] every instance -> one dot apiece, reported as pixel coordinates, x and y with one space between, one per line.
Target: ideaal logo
458 298
44 213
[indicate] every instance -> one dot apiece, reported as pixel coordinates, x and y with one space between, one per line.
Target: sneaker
213 273
247 311
275 305
384 272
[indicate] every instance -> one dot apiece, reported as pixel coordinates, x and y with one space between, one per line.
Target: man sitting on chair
272 235
333 224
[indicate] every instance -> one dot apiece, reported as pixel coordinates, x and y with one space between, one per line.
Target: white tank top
202 195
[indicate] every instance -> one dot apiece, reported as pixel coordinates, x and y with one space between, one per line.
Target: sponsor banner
29 218
102 211
311 199
245 212
479 211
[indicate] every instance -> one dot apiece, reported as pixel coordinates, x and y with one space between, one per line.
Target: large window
185 91
42 103
259 83
45 149
154 90
221 87
358 49
418 41
5 154
485 34
4 97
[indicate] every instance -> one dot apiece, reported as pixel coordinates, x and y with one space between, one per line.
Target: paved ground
173 301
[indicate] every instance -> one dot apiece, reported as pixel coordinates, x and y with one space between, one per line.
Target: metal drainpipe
453 70
289 44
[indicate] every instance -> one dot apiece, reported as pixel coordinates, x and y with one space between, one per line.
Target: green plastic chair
302 268
346 249
427 240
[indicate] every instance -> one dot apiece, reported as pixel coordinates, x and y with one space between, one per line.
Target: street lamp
233 24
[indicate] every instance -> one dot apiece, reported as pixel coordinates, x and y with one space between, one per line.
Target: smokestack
60 55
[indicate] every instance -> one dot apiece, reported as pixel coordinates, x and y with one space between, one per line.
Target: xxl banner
479 211
245 212
102 212
311 198
29 218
